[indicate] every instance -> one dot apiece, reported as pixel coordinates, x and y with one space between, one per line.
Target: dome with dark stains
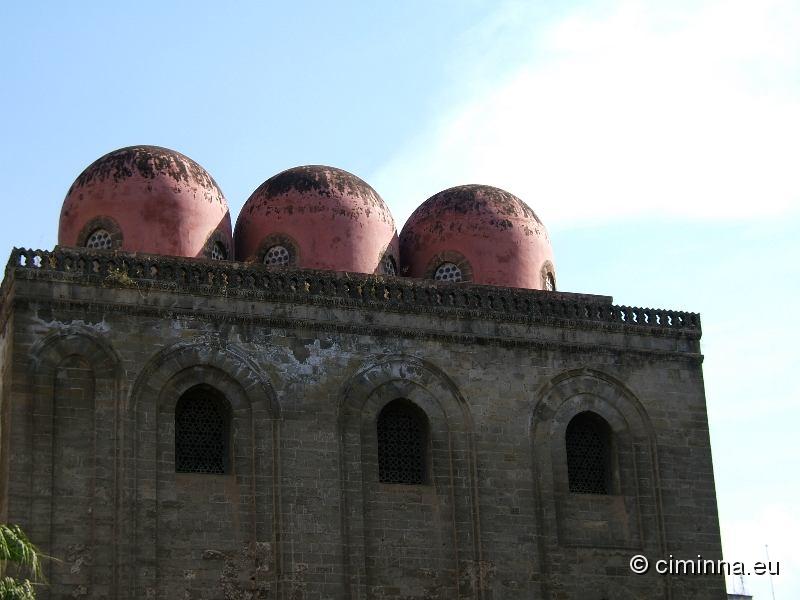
317 217
481 234
147 199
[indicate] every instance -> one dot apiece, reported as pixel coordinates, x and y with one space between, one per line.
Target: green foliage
17 552
11 589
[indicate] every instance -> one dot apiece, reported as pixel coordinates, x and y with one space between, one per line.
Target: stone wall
104 345
6 365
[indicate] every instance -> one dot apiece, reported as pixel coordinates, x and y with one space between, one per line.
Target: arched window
99 239
402 443
218 251
588 441
448 272
202 431
277 256
388 266
548 276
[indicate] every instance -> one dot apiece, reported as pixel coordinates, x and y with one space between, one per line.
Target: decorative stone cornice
146 272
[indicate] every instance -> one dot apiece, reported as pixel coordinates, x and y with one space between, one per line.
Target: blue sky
659 142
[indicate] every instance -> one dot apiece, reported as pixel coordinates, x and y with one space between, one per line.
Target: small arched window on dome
277 256
403 434
202 431
448 271
99 239
388 266
588 444
548 274
218 251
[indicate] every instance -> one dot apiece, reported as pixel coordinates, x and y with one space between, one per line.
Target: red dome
481 234
147 199
317 217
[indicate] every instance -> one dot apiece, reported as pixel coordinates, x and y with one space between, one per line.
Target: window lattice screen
100 239
448 272
387 266
201 422
402 443
277 256
218 252
588 455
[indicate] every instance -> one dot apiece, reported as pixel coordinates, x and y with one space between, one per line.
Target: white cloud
633 111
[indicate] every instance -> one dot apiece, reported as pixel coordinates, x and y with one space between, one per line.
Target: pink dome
318 217
481 234
147 199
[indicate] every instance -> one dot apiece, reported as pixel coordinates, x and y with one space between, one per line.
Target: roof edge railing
116 268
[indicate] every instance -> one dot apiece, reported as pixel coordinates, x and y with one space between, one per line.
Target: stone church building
312 407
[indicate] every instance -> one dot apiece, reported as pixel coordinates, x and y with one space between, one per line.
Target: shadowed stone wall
100 347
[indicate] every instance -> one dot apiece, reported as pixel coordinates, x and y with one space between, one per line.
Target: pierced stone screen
402 443
218 252
387 266
277 256
448 272
100 239
588 455
201 432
